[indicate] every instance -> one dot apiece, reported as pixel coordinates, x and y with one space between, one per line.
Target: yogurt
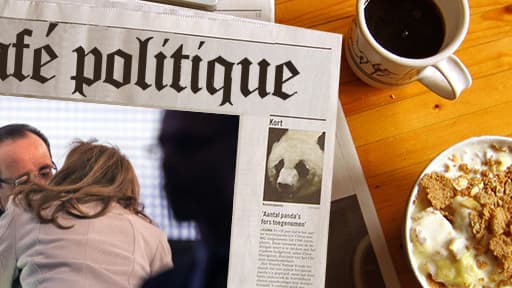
442 251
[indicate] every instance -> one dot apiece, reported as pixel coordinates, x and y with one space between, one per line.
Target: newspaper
252 9
262 10
357 252
281 81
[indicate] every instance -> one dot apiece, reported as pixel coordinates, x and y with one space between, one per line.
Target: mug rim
420 62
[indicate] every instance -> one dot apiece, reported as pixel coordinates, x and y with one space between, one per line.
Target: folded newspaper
302 213
250 9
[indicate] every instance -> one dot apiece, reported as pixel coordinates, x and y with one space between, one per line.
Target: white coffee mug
443 73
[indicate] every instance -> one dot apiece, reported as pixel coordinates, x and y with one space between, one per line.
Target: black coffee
408 28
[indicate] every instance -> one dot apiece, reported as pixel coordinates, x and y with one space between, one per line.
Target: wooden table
398 131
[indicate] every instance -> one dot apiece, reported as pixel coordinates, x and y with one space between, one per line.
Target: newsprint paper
262 10
282 83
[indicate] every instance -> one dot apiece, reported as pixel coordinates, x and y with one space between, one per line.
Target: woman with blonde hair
85 228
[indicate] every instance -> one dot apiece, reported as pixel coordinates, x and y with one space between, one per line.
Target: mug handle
447 78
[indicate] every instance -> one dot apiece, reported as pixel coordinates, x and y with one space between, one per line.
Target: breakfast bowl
458 223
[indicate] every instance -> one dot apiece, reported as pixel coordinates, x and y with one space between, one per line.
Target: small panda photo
294 166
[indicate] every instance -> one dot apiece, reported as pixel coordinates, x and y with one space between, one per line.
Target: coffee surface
407 28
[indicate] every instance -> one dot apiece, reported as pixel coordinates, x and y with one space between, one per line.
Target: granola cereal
463 235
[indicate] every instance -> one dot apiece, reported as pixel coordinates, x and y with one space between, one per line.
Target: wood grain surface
397 132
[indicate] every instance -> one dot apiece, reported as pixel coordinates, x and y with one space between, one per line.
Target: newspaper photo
268 75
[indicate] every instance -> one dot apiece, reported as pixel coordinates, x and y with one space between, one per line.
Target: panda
294 167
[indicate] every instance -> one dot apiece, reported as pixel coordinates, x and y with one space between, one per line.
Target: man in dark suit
199 157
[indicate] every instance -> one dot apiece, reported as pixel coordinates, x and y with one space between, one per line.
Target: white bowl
439 164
